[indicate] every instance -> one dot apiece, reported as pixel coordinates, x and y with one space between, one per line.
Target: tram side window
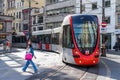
67 37
22 39
34 39
39 37
55 38
43 39
47 38
18 39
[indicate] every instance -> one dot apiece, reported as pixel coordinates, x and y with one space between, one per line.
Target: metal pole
30 26
103 35
81 6
103 10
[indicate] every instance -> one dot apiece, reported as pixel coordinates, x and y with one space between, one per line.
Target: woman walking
30 49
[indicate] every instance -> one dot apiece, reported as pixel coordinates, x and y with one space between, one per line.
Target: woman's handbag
28 56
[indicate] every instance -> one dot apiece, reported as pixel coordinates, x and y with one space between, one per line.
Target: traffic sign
26 33
104 24
103 30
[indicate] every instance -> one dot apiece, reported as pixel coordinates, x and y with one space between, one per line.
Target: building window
107 3
118 18
107 19
13 3
25 26
83 7
8 5
34 28
94 6
19 26
19 15
40 28
40 19
34 19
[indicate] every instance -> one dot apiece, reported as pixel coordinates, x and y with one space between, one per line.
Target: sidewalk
14 61
113 54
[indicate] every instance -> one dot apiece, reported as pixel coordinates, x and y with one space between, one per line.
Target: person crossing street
30 50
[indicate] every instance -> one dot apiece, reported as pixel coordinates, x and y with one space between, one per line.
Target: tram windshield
85 31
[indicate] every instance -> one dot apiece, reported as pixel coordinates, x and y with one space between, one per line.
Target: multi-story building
16 9
56 10
5 23
37 19
36 13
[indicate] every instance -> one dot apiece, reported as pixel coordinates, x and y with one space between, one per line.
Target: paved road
12 63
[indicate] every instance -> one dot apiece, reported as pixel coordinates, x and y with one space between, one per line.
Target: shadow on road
11 70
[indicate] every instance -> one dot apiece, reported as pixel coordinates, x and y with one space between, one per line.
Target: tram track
83 75
87 74
50 75
90 74
108 71
68 72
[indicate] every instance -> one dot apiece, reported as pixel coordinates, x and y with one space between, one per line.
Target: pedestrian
40 45
116 46
30 49
103 49
107 45
7 45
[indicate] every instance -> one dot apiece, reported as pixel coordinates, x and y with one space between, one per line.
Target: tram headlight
94 61
96 54
76 54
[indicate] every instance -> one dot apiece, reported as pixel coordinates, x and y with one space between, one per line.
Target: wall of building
34 3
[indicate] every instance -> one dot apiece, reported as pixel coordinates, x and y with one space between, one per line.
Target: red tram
81 37
77 40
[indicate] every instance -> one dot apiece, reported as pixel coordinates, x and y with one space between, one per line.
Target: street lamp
81 6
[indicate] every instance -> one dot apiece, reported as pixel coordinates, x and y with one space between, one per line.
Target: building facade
16 9
32 13
56 10
37 19
20 9
117 20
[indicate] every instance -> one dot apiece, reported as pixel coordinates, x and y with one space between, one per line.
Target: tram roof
66 19
48 31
